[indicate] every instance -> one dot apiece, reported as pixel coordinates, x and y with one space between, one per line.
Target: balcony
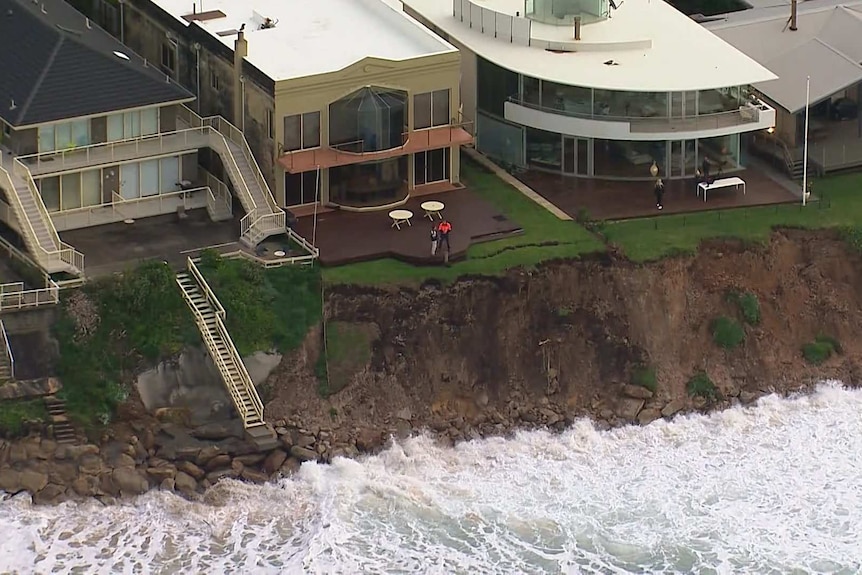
752 116
297 161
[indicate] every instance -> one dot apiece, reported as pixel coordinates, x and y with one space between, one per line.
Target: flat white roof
310 37
682 54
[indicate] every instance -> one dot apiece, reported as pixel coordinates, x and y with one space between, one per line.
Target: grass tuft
727 332
822 348
748 306
701 386
645 377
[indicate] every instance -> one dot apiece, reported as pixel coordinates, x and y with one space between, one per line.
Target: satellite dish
121 56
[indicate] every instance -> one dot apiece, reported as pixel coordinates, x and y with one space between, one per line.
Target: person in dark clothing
659 193
443 230
435 236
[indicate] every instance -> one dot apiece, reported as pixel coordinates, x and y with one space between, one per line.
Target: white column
805 144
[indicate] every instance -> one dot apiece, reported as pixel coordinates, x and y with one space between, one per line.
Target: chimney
240 51
793 15
577 23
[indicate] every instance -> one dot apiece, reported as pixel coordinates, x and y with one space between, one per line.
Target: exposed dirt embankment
490 355
544 347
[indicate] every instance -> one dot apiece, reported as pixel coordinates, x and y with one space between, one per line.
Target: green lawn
545 237
653 238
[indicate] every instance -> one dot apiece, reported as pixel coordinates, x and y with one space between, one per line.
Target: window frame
302 136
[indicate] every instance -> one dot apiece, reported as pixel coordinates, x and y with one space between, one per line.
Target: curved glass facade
513 144
563 12
369 120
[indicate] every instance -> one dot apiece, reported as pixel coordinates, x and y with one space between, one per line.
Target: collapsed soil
561 341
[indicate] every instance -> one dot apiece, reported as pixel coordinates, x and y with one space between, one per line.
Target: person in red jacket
443 229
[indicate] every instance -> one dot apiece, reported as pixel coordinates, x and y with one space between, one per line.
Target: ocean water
774 488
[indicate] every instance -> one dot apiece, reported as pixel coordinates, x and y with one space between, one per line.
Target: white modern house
600 89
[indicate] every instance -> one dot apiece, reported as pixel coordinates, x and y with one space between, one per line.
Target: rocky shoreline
187 462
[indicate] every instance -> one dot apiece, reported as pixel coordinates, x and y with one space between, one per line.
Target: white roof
682 55
310 36
827 46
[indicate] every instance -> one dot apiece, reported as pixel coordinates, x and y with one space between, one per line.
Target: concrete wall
205 67
315 93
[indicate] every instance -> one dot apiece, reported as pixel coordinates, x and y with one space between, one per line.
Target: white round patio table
433 208
400 217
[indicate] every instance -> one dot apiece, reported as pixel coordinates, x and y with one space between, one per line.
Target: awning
418 141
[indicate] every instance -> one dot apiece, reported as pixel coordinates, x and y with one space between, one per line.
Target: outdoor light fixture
770 130
653 170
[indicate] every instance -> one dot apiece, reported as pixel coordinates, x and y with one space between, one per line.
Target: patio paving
607 199
116 247
348 237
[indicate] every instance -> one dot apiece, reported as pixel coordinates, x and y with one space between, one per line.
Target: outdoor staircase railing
259 221
61 251
240 383
8 358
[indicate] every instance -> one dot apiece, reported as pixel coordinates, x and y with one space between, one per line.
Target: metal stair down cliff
209 316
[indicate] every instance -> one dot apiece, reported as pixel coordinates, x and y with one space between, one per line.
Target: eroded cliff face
552 344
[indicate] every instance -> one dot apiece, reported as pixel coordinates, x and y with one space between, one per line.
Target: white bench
722 183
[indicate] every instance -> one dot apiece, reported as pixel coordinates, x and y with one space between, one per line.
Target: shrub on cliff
727 332
644 377
821 349
701 386
748 306
109 328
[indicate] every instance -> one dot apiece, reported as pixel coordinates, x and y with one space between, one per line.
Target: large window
431 109
369 184
500 140
84 189
133 124
495 85
431 166
717 101
64 136
368 120
150 183
622 159
722 153
302 131
544 149
50 190
571 99
630 104
301 188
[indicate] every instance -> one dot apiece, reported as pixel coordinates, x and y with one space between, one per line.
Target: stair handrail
245 378
209 341
241 141
67 253
8 349
209 295
37 245
236 136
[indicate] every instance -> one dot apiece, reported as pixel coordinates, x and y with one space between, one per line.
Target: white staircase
209 316
37 228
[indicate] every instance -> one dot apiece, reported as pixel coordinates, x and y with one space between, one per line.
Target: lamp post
805 144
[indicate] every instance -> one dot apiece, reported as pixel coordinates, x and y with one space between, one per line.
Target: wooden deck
606 200
348 237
